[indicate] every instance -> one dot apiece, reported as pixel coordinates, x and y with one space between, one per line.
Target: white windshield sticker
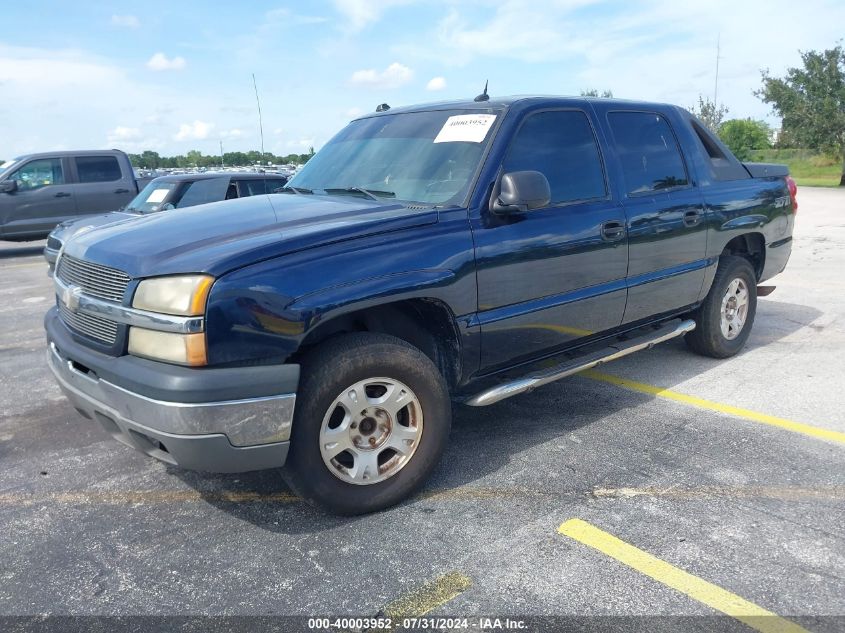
470 128
158 195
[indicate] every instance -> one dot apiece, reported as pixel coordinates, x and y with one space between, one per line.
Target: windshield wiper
287 188
373 194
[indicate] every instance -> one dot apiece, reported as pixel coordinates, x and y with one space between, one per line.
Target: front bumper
234 435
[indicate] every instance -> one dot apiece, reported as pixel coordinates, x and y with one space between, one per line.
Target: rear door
667 238
42 200
553 275
102 184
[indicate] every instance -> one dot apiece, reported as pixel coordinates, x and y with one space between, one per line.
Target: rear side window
203 191
561 145
264 185
97 169
648 151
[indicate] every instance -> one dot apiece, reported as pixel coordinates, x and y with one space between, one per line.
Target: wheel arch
427 323
751 246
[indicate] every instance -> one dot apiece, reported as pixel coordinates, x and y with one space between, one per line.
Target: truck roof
500 103
240 175
70 152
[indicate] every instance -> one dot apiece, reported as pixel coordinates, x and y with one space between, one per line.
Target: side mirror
8 186
521 191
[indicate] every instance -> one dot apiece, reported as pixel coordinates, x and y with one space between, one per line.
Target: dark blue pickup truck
464 251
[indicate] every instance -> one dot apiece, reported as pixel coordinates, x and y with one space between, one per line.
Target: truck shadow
485 440
12 249
20 251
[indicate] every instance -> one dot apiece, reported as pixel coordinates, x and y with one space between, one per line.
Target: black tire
707 338
331 369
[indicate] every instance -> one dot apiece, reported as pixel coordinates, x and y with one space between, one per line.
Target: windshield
152 197
418 157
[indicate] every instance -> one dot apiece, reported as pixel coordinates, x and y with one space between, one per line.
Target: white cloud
231 134
360 13
436 83
393 76
354 113
196 131
127 21
303 143
160 61
123 133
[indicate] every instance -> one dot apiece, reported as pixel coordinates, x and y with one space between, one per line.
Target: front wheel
723 322
372 419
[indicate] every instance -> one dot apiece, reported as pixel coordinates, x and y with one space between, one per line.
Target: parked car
39 191
169 192
467 250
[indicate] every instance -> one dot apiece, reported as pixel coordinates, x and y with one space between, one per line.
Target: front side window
648 151
97 169
561 146
425 157
39 173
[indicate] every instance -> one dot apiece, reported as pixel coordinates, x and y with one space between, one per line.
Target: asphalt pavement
665 485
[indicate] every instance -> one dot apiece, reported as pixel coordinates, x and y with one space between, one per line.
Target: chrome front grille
100 329
95 280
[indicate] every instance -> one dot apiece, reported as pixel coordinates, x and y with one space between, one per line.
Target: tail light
793 192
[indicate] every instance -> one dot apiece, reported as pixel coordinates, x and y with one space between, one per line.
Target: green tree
811 101
709 113
605 94
744 135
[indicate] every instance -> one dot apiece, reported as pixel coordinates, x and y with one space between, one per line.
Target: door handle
612 231
62 194
121 190
692 217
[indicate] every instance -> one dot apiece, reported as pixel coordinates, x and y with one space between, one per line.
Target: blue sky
176 75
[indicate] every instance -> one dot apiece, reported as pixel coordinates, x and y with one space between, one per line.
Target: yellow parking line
754 416
707 593
428 597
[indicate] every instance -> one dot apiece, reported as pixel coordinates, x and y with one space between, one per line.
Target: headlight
184 295
184 349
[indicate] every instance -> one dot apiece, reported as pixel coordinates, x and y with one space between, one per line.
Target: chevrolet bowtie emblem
70 296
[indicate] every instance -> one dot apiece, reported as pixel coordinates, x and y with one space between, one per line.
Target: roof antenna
483 96
382 107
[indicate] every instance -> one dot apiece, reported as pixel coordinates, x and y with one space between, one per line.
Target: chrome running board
588 361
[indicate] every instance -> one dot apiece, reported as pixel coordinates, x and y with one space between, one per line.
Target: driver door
550 276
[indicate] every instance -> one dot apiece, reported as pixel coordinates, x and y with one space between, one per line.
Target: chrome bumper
225 436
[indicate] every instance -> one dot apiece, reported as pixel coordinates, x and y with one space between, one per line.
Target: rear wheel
723 322
372 418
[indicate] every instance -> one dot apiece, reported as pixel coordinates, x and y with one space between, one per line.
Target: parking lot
665 484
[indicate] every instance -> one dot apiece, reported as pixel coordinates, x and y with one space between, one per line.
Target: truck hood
68 229
222 236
